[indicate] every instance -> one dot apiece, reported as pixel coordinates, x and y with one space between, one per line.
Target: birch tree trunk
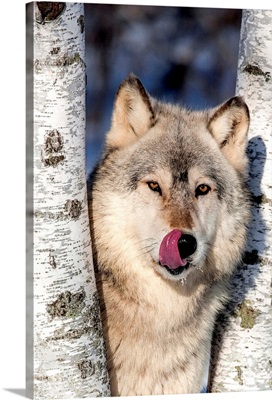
243 337
69 355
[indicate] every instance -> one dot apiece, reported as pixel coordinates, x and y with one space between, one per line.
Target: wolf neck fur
136 315
135 294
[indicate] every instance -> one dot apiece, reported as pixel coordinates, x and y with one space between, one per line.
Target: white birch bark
29 201
243 343
69 357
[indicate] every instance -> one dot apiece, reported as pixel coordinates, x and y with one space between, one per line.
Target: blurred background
181 54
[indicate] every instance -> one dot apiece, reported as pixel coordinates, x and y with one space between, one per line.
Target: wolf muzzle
174 251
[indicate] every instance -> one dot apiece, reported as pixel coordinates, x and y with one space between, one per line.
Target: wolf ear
229 125
132 114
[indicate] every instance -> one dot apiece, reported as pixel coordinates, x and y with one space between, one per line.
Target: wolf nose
186 245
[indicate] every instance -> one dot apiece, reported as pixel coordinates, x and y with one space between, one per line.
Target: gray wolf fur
168 212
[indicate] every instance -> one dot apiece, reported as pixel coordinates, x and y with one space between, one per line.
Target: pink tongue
169 253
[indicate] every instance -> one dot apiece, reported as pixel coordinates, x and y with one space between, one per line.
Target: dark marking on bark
67 304
43 250
48 11
100 369
52 261
256 70
247 314
239 375
251 257
73 208
81 23
53 146
86 368
53 161
261 199
53 142
66 60
58 216
92 315
41 377
70 334
55 51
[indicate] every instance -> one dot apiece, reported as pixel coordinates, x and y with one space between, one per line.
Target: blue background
181 54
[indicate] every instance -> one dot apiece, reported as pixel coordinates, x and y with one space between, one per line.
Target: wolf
168 210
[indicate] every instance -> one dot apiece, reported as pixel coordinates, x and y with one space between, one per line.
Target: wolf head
169 193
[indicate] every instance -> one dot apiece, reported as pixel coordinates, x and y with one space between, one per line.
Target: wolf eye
154 186
202 189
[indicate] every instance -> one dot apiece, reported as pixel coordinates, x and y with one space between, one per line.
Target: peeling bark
243 337
69 354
